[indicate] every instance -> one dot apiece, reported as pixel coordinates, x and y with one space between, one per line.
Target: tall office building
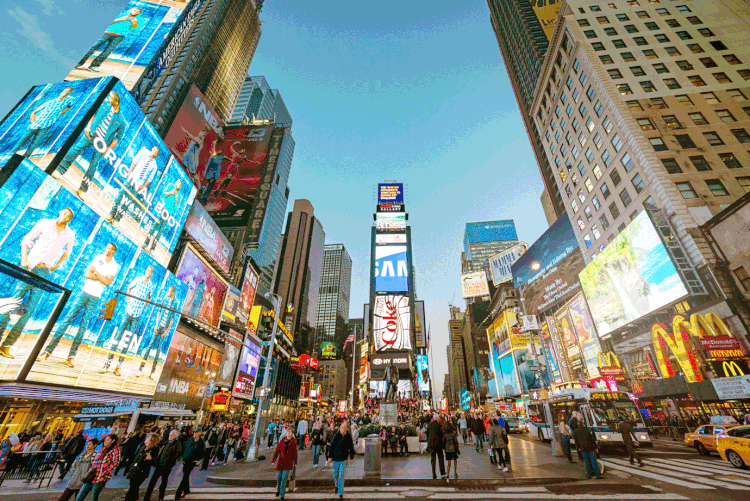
258 101
298 277
485 239
333 298
456 358
523 29
656 99
333 378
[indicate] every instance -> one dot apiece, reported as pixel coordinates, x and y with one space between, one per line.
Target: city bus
602 410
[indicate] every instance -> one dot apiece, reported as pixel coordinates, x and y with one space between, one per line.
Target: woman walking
81 465
286 453
451 450
101 469
317 441
145 457
497 444
341 448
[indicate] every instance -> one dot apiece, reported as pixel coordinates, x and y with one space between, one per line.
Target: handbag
292 483
90 476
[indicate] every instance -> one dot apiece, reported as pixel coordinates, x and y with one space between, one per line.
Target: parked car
705 438
734 446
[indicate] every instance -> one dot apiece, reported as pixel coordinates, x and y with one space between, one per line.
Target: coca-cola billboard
391 323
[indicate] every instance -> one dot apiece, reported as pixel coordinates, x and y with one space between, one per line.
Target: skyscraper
298 277
485 239
523 29
258 100
333 298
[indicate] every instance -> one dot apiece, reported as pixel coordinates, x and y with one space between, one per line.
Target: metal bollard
372 456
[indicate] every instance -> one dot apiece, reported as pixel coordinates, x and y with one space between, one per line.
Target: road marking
717 465
654 476
510 495
713 467
712 480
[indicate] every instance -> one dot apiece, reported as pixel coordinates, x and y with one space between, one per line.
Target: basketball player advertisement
206 290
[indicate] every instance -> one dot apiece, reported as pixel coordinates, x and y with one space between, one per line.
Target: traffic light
109 309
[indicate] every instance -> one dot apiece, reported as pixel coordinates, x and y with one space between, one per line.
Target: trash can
372 456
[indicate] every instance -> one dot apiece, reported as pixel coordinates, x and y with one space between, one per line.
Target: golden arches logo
700 326
731 368
680 344
608 359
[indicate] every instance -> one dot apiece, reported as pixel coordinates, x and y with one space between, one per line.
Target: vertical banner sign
260 204
391 323
204 231
232 350
587 338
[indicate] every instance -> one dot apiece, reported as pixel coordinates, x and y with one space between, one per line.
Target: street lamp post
252 450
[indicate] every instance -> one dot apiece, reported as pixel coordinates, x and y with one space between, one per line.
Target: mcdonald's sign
730 368
609 365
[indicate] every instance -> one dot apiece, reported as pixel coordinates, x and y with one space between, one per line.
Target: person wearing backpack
317 440
497 444
452 450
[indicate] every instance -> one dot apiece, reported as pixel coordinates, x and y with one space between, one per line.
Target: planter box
413 443
360 447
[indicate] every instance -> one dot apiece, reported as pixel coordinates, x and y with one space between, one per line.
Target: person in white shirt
302 432
99 275
140 175
43 250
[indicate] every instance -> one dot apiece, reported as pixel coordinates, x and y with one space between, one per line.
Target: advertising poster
474 284
391 323
420 332
546 11
508 379
120 168
247 294
130 42
328 350
202 228
205 289
247 370
587 338
232 350
529 380
45 118
423 373
560 347
231 305
560 261
631 277
228 169
551 354
570 341
390 221
68 244
495 368
390 193
189 366
391 269
500 264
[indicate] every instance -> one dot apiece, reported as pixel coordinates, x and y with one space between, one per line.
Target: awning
170 413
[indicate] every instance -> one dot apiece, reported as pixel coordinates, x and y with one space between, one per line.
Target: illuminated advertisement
328 350
202 228
390 238
560 347
549 349
390 208
390 221
205 289
569 338
546 12
45 118
420 331
247 294
51 233
391 323
391 269
130 42
189 366
232 350
247 370
423 373
559 259
507 379
390 193
500 264
587 338
631 277
231 305
474 284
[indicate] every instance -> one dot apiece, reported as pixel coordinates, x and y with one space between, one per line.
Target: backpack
450 443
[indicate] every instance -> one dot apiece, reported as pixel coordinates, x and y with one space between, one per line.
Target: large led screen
247 294
423 373
390 221
50 232
501 263
556 279
202 228
391 323
420 325
232 351
130 42
206 290
390 193
391 269
247 370
587 337
631 277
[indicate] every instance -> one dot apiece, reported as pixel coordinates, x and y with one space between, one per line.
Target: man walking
462 426
302 432
163 324
70 451
168 456
477 428
111 39
586 443
626 430
193 451
99 275
42 119
435 442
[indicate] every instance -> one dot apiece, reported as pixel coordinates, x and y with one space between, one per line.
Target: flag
349 339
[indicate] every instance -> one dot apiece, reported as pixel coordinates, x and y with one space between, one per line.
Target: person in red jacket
286 452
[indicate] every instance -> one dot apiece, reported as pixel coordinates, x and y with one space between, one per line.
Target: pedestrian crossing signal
109 309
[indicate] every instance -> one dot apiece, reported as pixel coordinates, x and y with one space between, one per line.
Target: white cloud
50 7
31 30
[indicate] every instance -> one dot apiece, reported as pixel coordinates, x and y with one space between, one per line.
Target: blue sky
414 91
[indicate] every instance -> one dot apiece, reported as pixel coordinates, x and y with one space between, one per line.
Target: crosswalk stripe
702 468
510 495
703 480
717 465
654 476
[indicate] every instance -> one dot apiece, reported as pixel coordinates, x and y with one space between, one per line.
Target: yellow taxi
734 446
705 438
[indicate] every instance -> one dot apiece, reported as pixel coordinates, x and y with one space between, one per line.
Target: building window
684 35
624 89
606 59
591 93
646 124
604 222
637 71
698 118
627 162
685 141
725 116
696 80
706 32
595 202
589 185
650 54
617 142
614 210
695 48
661 68
615 177
597 46
722 77
607 124
708 62
597 140
672 122
743 277
652 26
634 106
672 51
744 183
605 190
661 38
582 109
713 138
640 41
717 187
671 83
630 28
648 86
671 165
610 31
658 103
597 172
622 17
684 65
732 59
741 135
684 99
730 160
686 190
628 57
745 74
700 163
590 33
658 143
638 183
736 95
643 14
574 205
606 158
602 20
598 108
625 197
583 22
614 74
590 124
619 44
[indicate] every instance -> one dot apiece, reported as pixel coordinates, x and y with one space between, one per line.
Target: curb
370 481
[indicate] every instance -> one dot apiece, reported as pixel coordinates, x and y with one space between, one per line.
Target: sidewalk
531 463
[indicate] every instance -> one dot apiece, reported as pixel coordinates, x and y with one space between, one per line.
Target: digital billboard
45 118
420 325
232 351
130 42
328 350
423 373
391 323
560 260
231 305
247 370
247 293
500 263
546 12
395 221
474 284
587 337
549 348
631 277
189 366
205 289
202 228
390 238
569 337
51 233
391 269
390 193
